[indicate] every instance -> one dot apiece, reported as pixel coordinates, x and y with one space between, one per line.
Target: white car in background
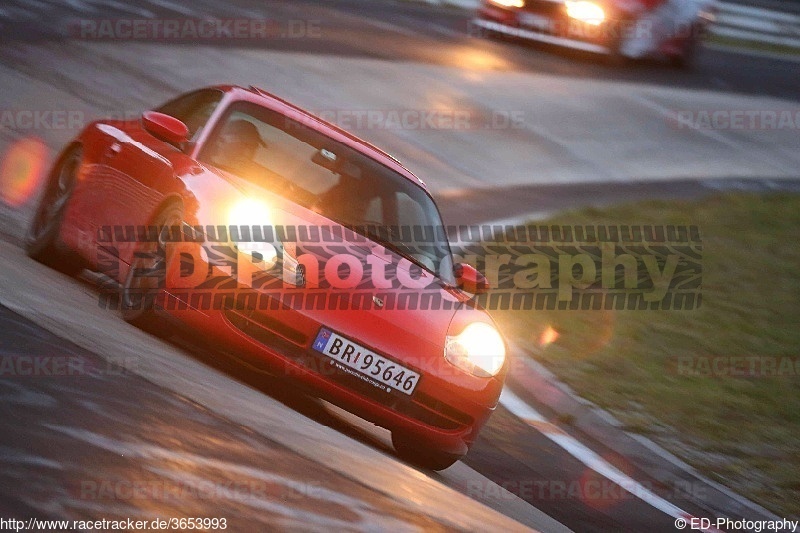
630 29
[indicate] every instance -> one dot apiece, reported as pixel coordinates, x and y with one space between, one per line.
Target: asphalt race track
199 435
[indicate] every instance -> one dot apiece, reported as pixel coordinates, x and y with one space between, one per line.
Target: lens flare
587 12
242 218
510 3
548 336
21 170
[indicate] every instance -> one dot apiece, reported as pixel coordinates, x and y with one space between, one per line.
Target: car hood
409 322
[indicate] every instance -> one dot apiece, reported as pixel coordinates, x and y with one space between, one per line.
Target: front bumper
442 413
548 22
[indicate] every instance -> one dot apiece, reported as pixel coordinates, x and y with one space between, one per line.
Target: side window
409 212
193 109
374 212
253 146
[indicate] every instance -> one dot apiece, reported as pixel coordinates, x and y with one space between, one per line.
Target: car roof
259 96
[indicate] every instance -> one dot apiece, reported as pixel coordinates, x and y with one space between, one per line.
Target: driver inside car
236 148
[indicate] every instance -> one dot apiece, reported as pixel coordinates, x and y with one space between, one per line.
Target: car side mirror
166 128
470 280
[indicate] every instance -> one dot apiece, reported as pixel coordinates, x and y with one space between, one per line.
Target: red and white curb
592 460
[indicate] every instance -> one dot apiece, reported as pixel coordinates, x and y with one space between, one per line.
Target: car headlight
509 3
479 349
587 12
241 219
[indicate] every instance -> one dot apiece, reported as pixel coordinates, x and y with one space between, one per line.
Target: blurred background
699 408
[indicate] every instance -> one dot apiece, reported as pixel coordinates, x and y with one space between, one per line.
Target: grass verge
754 46
743 431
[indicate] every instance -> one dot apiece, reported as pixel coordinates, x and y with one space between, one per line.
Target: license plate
365 364
535 21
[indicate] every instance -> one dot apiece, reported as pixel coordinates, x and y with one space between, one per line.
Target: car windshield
331 179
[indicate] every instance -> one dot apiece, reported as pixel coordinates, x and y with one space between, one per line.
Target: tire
688 59
615 58
42 241
481 32
418 454
138 294
492 35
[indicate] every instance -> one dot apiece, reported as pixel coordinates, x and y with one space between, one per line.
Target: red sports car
620 28
291 244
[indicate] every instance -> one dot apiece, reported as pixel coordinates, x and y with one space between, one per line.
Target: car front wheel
42 241
147 274
688 58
